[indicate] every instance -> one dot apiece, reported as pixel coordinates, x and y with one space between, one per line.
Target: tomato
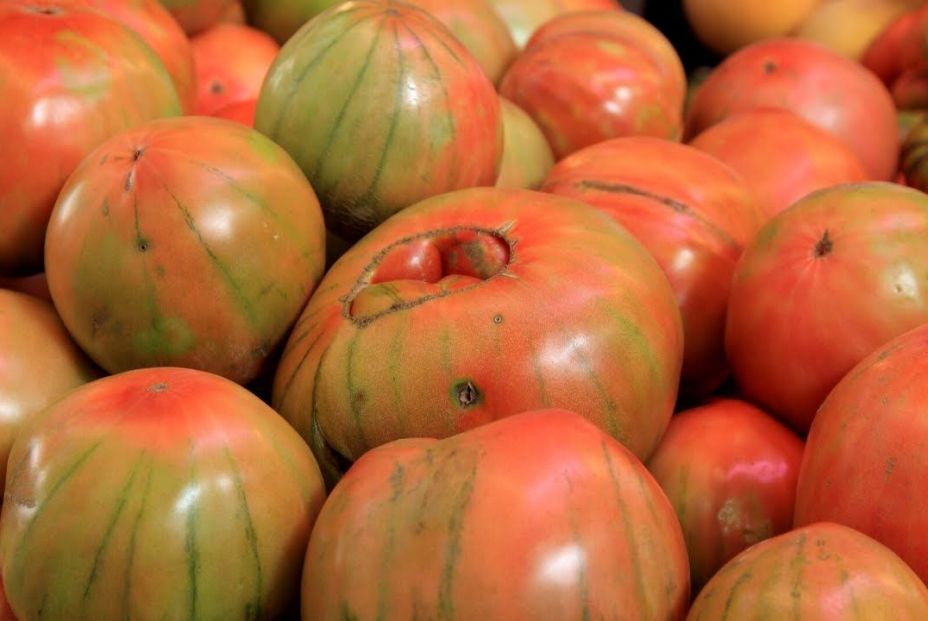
160 493
865 458
537 516
477 305
71 78
820 85
730 471
822 285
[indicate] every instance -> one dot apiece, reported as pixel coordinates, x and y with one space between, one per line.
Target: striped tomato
822 572
381 106
39 364
476 305
693 213
730 473
584 87
865 458
629 28
538 516
71 78
523 17
527 158
822 285
184 242
160 493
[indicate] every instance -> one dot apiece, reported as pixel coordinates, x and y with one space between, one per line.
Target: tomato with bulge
476 305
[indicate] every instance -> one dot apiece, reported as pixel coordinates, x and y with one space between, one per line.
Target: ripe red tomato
71 78
825 88
822 285
231 63
865 457
730 472
536 516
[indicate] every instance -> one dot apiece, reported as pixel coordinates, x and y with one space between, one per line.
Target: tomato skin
692 212
39 364
527 158
240 111
231 63
780 155
825 88
536 516
730 472
864 461
112 80
820 572
584 88
797 319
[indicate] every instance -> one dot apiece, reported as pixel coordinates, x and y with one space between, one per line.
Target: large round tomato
537 516
628 28
185 242
693 214
476 305
865 457
71 77
729 470
825 88
407 112
822 285
157 494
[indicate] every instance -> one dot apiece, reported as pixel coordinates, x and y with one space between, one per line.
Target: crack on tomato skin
159 387
367 274
625 188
